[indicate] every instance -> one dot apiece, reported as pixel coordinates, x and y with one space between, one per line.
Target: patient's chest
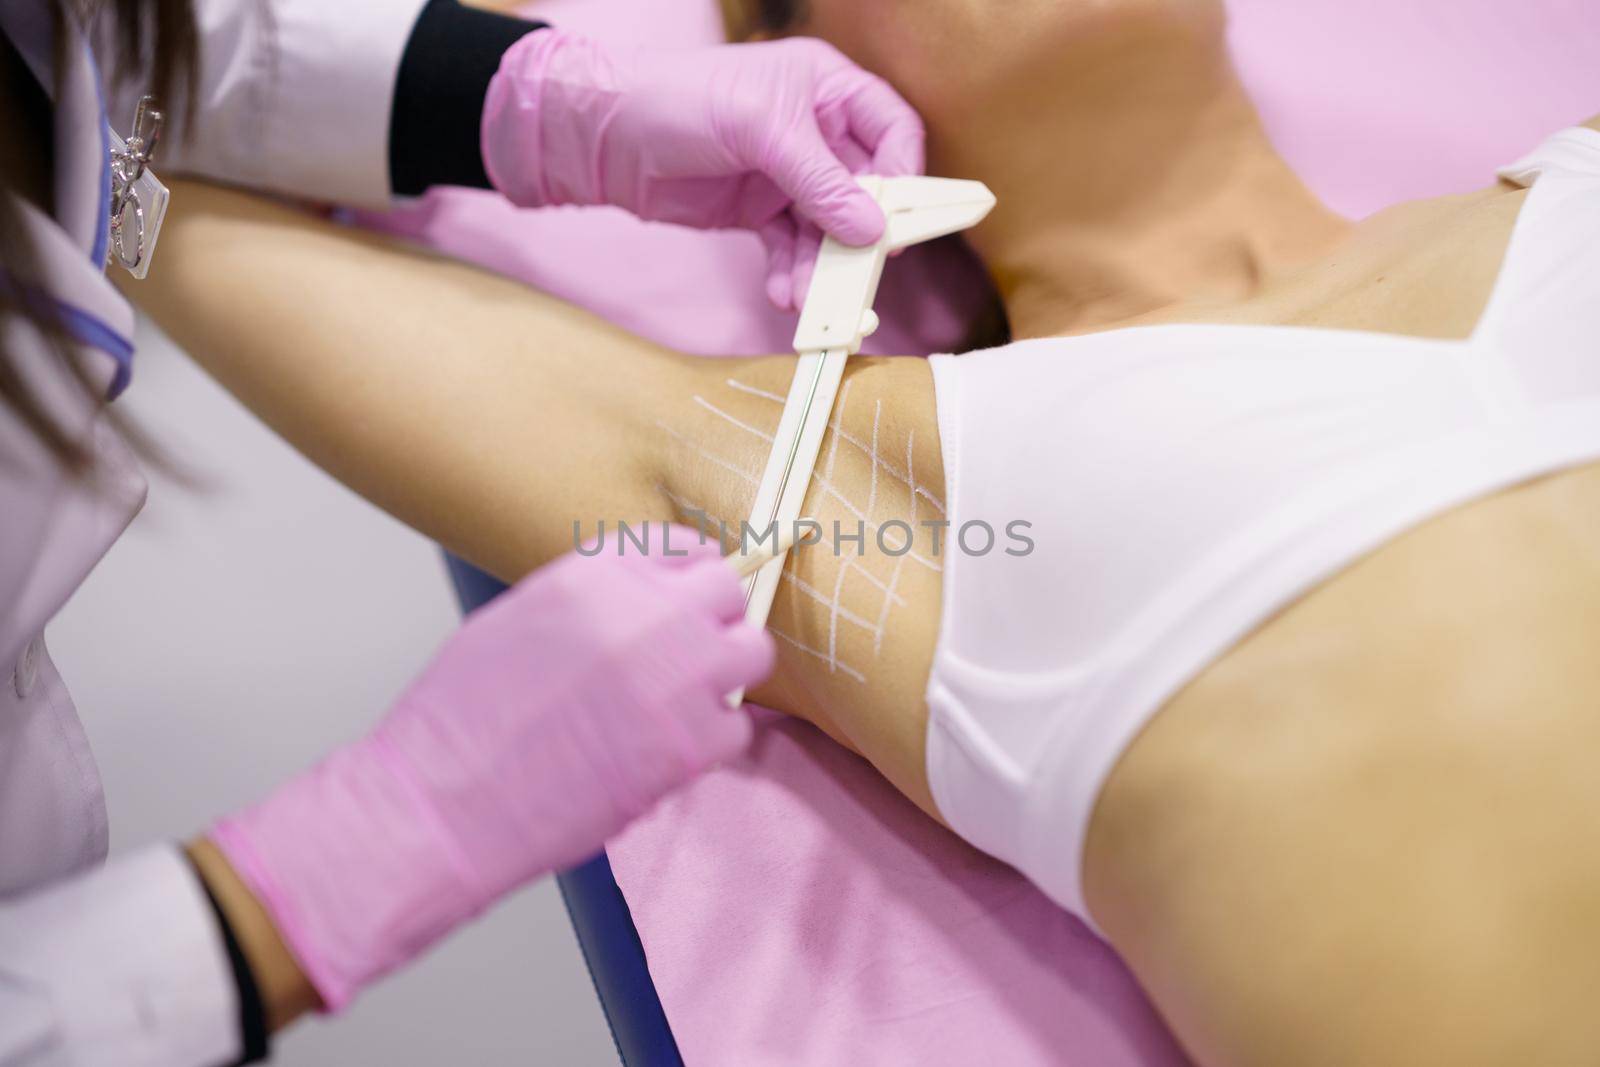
1425 269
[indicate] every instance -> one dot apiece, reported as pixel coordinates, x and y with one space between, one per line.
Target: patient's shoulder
1593 123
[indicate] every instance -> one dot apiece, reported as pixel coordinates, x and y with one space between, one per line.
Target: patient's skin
1367 835
497 418
855 623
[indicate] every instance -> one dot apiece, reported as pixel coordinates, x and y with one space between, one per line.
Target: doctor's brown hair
158 38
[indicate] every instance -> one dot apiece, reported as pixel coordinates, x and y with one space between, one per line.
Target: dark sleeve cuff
434 129
254 1044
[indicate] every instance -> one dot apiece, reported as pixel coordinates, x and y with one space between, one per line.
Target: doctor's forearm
353 102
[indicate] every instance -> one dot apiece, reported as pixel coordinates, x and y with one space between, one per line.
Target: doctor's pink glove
760 136
556 716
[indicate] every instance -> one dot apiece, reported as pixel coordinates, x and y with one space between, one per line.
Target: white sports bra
1184 482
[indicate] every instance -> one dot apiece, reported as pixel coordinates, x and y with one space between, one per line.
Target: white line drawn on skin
899 564
749 477
833 616
911 451
883 616
707 455
824 482
689 507
841 434
881 585
872 485
762 393
808 650
824 478
833 446
844 613
745 426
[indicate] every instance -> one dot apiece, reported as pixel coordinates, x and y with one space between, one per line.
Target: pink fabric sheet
794 908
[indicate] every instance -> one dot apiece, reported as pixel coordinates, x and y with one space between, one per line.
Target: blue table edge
599 914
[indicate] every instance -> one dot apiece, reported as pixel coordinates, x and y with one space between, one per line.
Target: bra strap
1576 149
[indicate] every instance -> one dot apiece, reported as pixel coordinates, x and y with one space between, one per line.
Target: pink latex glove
557 715
760 136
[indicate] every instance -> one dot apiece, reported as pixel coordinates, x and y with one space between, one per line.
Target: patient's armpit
857 613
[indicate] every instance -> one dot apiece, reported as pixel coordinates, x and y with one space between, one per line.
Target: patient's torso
1450 644
1196 480
857 632
1418 729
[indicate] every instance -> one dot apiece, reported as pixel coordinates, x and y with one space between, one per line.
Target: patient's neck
1154 186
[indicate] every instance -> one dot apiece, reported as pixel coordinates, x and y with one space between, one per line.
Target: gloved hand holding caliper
622 696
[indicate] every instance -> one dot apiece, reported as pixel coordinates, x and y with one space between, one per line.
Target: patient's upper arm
469 406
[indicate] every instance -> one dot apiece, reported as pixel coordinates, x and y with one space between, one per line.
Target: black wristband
253 1037
453 54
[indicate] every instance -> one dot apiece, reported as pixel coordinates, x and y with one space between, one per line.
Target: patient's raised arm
493 418
463 403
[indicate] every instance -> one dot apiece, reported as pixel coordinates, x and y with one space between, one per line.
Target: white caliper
837 317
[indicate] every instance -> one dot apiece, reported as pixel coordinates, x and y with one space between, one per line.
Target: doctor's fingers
741 657
879 119
805 166
707 591
779 235
835 126
793 246
807 247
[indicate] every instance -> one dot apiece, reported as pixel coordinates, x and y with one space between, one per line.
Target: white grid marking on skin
881 585
826 486
833 616
808 650
844 613
911 440
899 564
692 508
888 600
829 489
709 457
824 481
866 524
745 426
753 391
841 434
872 485
821 478
833 446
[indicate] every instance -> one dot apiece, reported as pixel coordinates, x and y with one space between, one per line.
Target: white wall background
239 632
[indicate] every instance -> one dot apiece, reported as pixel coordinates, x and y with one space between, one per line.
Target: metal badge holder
138 199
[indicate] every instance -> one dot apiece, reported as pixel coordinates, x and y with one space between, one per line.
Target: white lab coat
123 964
